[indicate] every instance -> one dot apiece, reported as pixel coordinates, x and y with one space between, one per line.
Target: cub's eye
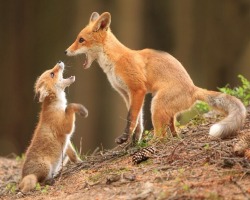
81 40
52 74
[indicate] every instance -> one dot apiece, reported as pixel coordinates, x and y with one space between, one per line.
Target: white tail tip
216 130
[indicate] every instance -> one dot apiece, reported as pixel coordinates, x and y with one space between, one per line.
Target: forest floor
191 166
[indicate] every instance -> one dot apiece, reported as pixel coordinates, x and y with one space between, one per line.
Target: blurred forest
211 38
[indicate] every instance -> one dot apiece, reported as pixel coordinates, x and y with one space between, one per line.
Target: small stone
227 163
129 176
112 178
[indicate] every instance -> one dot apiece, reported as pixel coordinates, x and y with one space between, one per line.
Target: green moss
242 92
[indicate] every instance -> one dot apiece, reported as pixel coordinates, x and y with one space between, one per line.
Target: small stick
172 154
240 188
80 151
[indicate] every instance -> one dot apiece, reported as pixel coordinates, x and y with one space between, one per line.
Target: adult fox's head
91 39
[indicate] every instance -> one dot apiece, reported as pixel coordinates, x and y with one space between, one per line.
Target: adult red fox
51 139
135 73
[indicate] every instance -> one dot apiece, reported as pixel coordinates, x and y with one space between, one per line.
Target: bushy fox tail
231 106
28 183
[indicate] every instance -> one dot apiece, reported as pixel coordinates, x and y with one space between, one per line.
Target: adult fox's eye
81 40
52 74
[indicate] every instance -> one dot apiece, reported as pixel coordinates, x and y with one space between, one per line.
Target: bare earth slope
192 166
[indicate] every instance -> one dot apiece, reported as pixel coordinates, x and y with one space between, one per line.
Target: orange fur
134 73
51 139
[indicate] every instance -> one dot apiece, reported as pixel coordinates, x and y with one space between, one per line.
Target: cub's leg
34 172
71 153
70 111
76 108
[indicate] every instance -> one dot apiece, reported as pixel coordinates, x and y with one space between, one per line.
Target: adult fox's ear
40 91
94 16
102 23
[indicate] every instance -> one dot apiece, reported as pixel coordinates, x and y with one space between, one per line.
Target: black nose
65 52
59 62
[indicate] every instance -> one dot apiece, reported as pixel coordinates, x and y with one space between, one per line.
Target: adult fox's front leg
139 128
136 102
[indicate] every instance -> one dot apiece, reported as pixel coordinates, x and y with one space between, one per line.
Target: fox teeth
86 60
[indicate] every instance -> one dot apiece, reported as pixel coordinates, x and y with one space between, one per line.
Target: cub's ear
103 22
40 91
94 16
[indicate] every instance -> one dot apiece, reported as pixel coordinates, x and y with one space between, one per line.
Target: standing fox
135 73
51 139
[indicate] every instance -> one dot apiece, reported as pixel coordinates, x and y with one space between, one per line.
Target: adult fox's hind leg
162 116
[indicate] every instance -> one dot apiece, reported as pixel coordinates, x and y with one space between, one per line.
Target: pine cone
247 154
143 155
241 146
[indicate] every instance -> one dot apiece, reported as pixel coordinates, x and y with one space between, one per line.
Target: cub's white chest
56 167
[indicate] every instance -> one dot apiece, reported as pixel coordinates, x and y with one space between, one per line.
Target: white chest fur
61 101
109 68
58 165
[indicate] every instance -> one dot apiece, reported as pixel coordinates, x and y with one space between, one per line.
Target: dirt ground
191 166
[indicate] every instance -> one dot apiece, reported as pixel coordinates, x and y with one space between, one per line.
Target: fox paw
78 160
50 181
83 111
121 139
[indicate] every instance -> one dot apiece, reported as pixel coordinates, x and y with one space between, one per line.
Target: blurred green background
210 37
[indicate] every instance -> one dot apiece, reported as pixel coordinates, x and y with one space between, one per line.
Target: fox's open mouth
71 78
88 59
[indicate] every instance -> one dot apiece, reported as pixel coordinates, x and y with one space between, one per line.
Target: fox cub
134 73
51 139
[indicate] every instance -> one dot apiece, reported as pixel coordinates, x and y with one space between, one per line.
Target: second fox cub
134 73
51 139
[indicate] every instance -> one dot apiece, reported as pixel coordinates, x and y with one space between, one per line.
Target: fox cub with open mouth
51 139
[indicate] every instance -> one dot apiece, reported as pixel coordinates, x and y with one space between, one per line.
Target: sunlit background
211 38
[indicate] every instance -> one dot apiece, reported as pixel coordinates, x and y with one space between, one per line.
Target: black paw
50 181
121 139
